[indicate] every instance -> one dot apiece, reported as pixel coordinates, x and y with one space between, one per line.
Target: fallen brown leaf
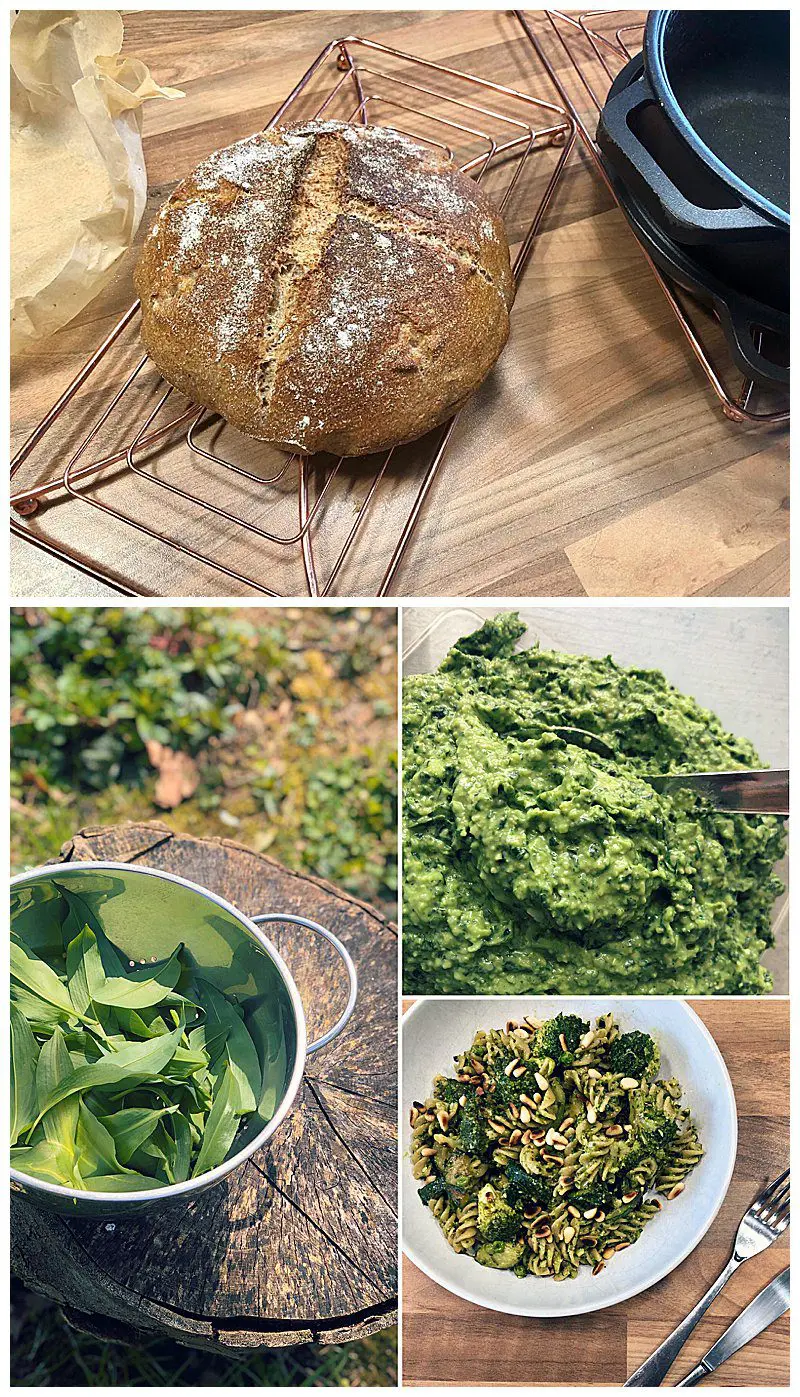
178 777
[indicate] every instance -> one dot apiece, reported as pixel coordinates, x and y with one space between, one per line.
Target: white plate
435 1030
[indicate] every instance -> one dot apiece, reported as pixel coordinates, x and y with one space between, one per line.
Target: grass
288 718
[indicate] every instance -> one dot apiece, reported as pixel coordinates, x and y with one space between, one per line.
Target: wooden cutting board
447 1341
595 459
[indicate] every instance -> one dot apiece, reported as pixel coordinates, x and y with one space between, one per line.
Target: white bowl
435 1030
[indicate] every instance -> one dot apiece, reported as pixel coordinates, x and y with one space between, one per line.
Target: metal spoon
748 792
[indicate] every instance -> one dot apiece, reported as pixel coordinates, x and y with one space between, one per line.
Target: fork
765 1220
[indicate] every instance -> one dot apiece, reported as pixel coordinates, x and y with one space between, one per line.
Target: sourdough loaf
326 287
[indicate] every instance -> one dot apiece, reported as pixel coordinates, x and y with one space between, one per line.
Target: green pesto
533 865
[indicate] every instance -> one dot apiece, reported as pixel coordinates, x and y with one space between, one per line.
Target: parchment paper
78 181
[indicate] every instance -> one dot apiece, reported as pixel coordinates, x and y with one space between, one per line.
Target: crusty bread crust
326 287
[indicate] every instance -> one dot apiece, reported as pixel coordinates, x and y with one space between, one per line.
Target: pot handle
737 322
348 965
688 222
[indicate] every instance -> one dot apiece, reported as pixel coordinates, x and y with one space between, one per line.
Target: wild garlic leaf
154 1157
238 1051
24 1058
275 1068
140 989
123 1067
36 976
141 1025
61 1121
132 1126
129 1182
97 1152
222 1124
38 1011
36 919
79 913
84 969
188 1063
182 1136
44 1160
144 1076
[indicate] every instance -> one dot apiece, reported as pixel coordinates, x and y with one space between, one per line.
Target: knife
769 1305
746 791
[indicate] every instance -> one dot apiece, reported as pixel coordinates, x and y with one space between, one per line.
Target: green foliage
125 1095
91 687
287 713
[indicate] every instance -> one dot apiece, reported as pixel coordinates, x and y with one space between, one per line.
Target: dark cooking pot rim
657 24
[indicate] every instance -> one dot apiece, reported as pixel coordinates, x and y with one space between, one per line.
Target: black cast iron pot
757 332
702 136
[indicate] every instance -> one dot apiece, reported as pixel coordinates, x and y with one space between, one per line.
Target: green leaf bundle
124 1078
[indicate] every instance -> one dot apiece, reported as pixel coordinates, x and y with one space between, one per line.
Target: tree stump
300 1244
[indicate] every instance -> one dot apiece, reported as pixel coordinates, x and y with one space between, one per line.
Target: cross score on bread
327 287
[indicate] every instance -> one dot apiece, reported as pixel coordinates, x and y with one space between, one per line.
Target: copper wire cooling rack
583 54
144 491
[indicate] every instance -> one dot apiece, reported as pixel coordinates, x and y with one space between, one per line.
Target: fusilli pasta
546 1149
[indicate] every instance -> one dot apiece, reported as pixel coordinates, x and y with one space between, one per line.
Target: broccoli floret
592 1196
654 1129
497 1220
508 1089
502 1256
567 1027
450 1090
527 1188
435 1188
460 1180
635 1054
471 1131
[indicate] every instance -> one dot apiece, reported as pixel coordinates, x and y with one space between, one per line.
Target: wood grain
300 1244
447 1341
594 460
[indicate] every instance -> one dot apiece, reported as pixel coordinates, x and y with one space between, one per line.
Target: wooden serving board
449 1342
595 460
299 1245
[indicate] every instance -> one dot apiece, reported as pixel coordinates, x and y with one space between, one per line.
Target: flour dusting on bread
333 286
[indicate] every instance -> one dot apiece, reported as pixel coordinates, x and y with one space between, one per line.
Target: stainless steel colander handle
348 965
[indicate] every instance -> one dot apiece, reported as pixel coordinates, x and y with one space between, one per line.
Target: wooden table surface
299 1245
594 461
447 1341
